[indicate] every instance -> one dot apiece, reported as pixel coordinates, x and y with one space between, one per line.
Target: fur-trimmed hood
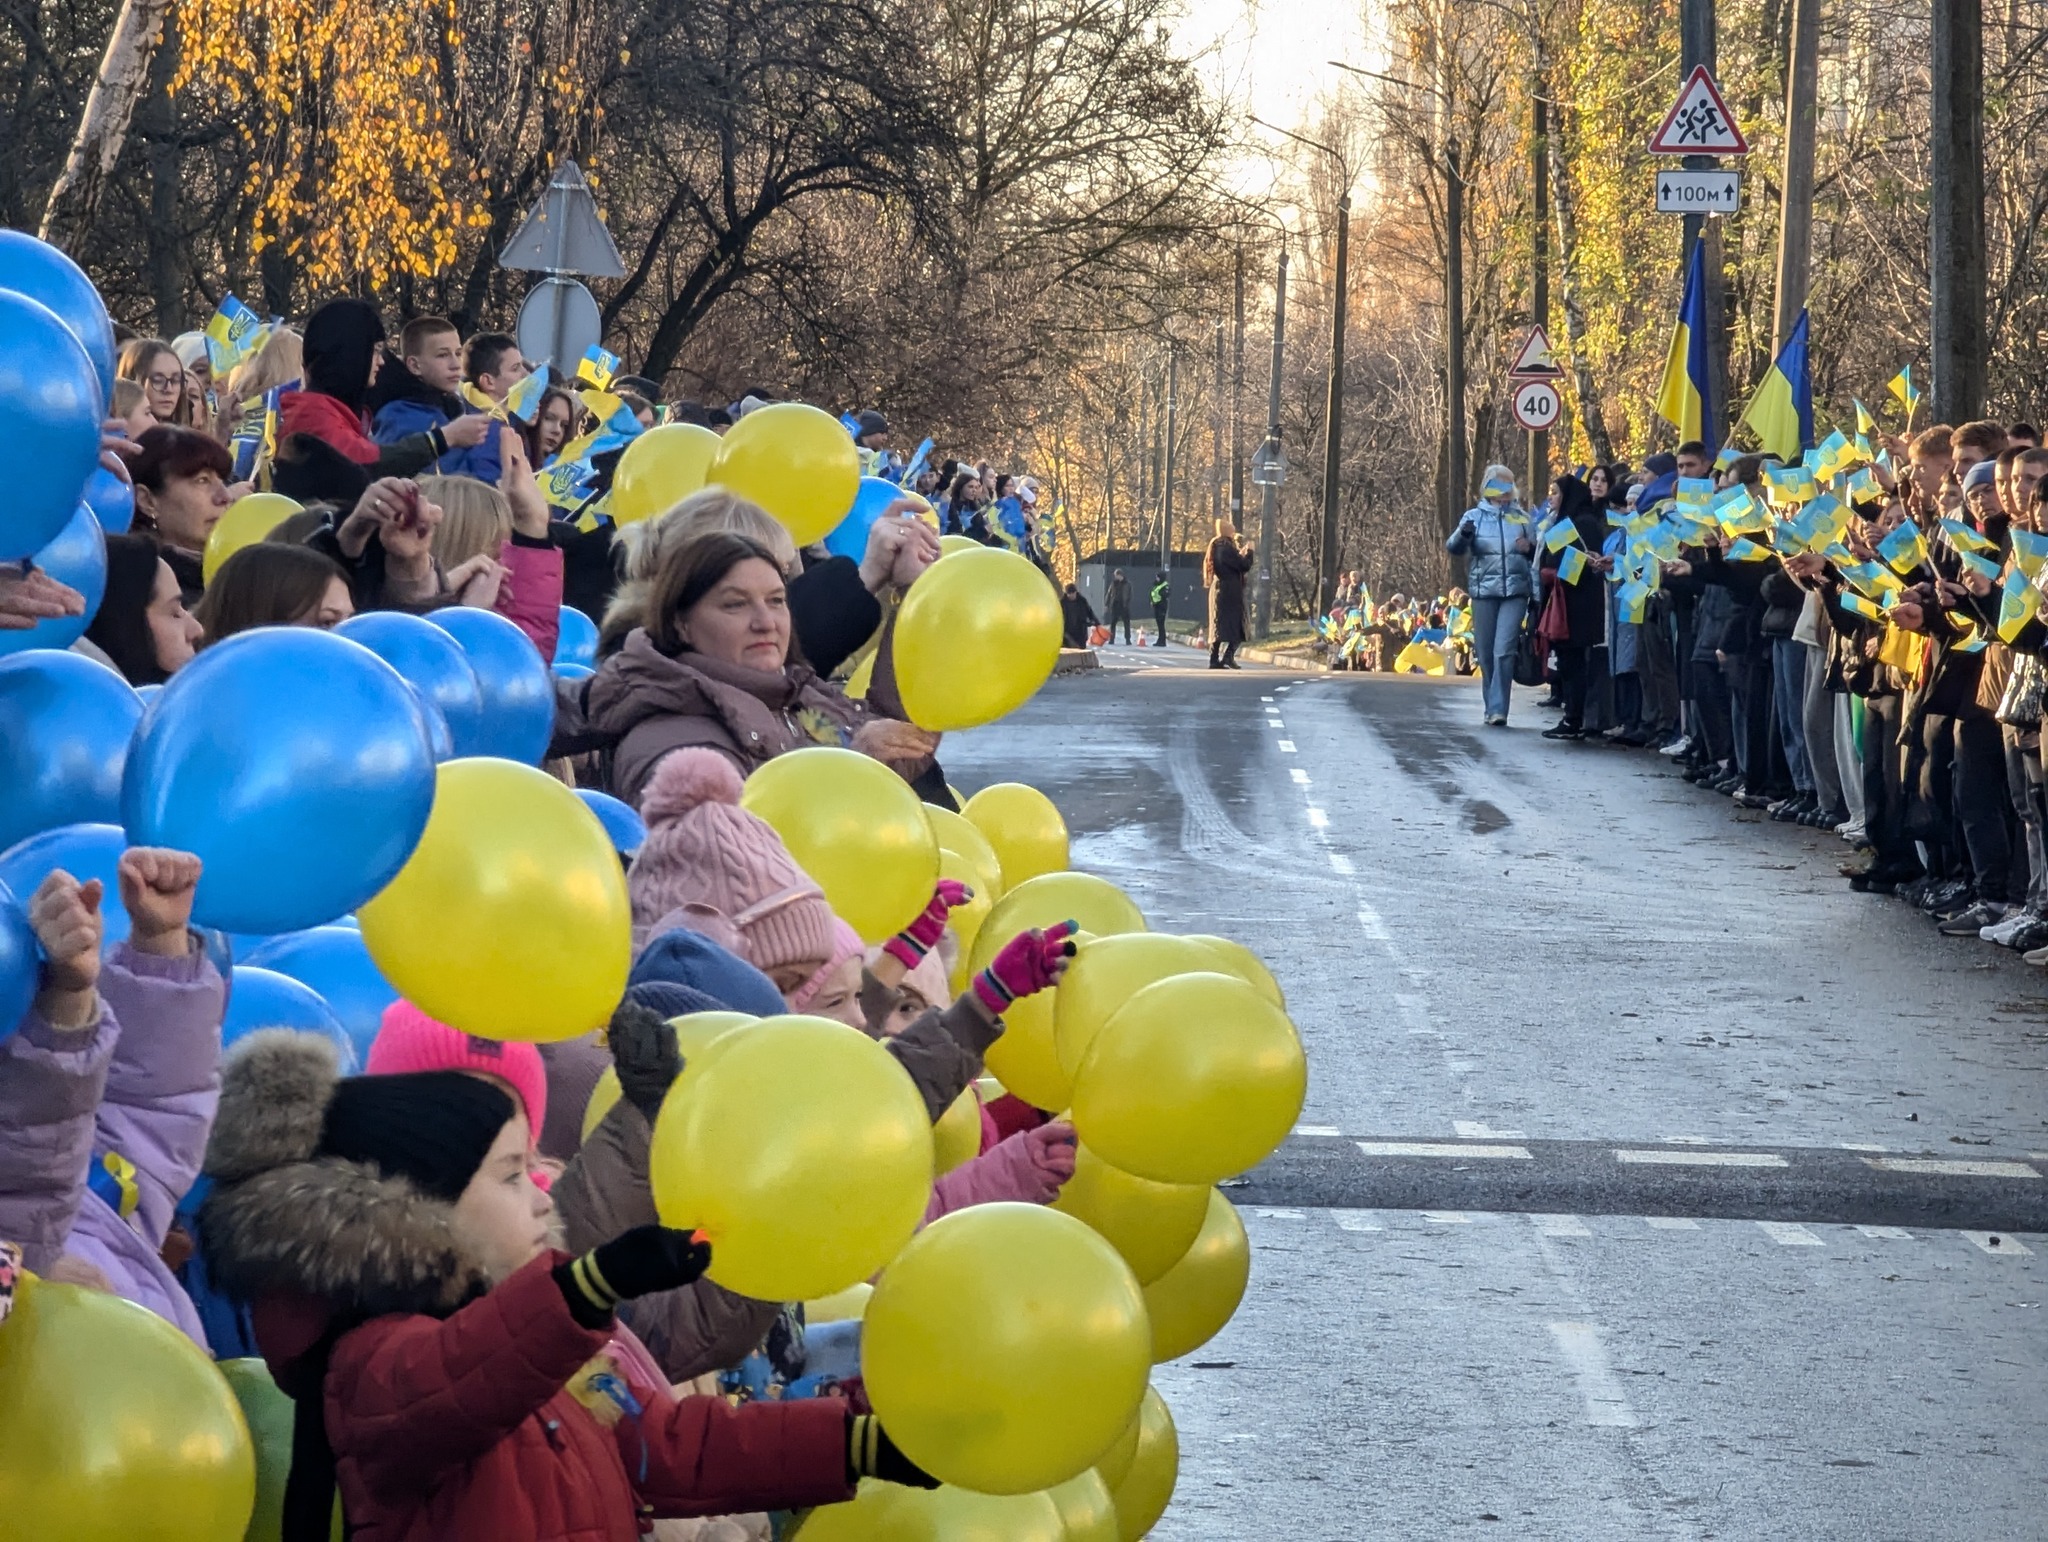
281 1220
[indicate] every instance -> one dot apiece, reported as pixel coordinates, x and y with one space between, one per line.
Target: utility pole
1795 217
1696 48
1216 429
1539 258
1956 183
1269 491
1237 400
1455 474
1333 444
1172 428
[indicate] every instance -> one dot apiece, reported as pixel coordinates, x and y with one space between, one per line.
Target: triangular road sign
1535 360
1699 122
563 233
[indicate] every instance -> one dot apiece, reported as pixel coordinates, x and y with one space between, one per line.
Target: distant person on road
1494 534
1223 570
1118 603
1162 595
1077 615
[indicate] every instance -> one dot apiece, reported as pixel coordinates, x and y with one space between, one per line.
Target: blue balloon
849 538
111 499
333 961
263 998
20 963
38 270
576 642
573 671
519 693
296 765
50 401
78 557
84 851
65 724
433 663
621 821
148 693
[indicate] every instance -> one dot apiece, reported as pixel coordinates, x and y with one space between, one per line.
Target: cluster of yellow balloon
243 523
510 919
797 462
976 637
695 1034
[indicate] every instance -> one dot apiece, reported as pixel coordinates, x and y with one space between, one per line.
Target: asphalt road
1651 1184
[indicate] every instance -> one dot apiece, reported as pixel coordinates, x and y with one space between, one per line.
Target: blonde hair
476 519
649 543
281 360
127 397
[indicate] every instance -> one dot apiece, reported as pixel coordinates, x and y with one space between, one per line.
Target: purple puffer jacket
143 1083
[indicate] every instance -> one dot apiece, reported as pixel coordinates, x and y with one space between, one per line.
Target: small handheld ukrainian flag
1901 385
523 399
1685 400
2029 551
1963 538
1781 412
599 367
1903 550
1560 535
233 334
2018 603
1855 604
1571 565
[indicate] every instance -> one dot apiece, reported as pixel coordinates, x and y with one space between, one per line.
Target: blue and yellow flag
1693 492
1781 412
523 400
233 335
1560 535
1963 538
1901 385
1742 549
1903 550
1865 423
1685 400
2018 603
1854 603
2029 551
1976 562
598 367
1571 565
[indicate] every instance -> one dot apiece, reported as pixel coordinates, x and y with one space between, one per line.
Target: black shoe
1728 786
1564 731
1947 896
1634 739
1233 664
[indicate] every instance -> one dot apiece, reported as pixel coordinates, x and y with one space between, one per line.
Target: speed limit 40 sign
1536 404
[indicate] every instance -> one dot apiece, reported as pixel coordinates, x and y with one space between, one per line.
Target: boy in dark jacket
421 391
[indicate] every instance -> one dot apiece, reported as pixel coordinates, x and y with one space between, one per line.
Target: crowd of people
1850 642
1398 634
468 1296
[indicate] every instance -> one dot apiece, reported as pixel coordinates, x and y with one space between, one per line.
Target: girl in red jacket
450 1366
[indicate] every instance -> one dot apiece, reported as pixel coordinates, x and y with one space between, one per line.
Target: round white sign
1536 404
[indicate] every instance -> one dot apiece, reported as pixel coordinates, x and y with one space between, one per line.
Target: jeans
1788 699
1120 615
1714 709
1496 624
1817 714
1884 782
1658 671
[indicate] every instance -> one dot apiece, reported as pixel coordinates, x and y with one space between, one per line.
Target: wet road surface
1651 1184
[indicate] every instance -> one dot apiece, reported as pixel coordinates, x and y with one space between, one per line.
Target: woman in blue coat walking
1495 534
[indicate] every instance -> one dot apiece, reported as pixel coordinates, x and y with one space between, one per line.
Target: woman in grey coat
1495 534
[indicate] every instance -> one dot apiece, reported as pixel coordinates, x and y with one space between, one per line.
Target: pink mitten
910 945
1028 1168
1028 963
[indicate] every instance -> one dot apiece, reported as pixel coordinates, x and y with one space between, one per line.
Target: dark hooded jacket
341 342
1585 602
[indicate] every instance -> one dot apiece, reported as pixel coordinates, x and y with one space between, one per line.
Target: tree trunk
1590 415
103 126
169 260
1956 199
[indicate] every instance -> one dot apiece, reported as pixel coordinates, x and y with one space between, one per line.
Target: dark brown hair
693 570
120 627
265 585
166 451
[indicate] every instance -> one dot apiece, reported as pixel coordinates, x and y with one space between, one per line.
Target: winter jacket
1008 1173
1227 565
401 404
590 564
1117 599
1487 535
531 595
341 427
1783 602
643 703
102 1131
1077 616
454 1410
831 612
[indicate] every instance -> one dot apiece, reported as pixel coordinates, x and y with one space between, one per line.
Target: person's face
1983 500
2004 482
141 420
910 1006
511 370
1694 466
188 508
503 1214
376 363
878 441
1929 473
552 431
743 620
1966 456
173 630
1596 482
644 416
839 997
334 608
439 361
163 386
2025 478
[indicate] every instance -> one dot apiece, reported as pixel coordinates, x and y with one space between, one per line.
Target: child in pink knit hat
833 990
409 1040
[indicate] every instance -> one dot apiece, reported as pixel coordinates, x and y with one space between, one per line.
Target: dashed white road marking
1670 1223
1265 698
1317 1129
1341 865
1300 777
1432 1148
1275 1213
1369 922
1355 1220
1857 1145
1789 1234
1561 1226
1998 1244
1476 1129
1318 819
1887 1233
1702 1158
1447 1217
1585 1357
1286 746
1943 1167
1687 1140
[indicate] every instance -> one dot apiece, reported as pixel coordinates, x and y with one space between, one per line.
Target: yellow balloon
660 469
858 830
803 1152
1241 961
956 1138
1196 1078
1146 1490
961 834
1026 1058
510 918
1107 973
1006 1348
695 1033
116 1425
1191 1302
1085 1508
949 544
964 921
1101 908
886 1512
1151 1224
975 639
243 523
1116 1461
1025 829
796 462
846 1305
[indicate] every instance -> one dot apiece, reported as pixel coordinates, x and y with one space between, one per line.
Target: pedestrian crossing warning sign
1535 360
1699 122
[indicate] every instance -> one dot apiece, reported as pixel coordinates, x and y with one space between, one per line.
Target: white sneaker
2003 932
1677 747
1853 832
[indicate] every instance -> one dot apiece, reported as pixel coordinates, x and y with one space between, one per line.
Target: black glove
870 1453
644 1051
635 1263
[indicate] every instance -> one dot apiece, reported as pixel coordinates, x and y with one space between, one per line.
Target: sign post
563 236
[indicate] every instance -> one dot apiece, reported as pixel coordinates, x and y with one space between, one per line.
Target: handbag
2020 706
1530 652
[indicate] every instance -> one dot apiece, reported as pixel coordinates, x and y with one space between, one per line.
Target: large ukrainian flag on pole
1686 398
1781 412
